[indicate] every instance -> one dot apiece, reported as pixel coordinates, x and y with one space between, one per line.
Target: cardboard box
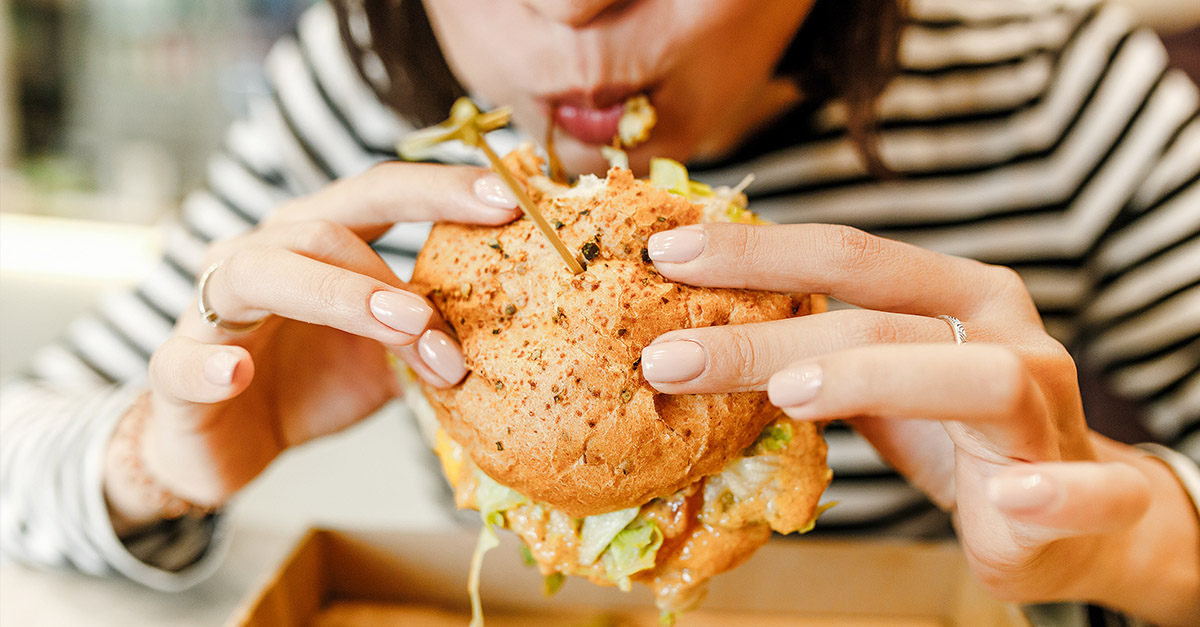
347 579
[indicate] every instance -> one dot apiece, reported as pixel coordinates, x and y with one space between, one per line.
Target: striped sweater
1049 136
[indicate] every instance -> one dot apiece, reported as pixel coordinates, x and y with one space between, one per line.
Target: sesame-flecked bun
555 405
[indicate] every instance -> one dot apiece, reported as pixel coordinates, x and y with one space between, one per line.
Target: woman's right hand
222 405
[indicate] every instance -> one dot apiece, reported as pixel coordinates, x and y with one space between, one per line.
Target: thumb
184 371
1060 499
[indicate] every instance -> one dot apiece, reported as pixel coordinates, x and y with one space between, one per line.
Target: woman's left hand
992 430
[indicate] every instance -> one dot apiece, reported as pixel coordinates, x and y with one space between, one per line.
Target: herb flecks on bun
556 435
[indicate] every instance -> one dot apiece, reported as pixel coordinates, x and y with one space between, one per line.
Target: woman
1042 136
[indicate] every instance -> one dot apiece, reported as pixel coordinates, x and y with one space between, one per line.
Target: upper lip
598 97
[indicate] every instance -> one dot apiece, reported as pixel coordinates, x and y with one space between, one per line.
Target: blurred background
108 109
123 99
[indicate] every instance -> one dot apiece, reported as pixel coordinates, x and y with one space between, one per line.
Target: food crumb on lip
638 119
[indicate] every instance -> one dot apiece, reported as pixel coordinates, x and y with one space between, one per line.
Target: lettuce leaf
773 439
488 540
812 522
599 530
491 497
493 500
633 550
551 583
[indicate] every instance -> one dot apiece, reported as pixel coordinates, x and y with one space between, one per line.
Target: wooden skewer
557 173
468 125
530 210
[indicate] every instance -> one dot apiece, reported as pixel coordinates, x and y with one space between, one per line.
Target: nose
573 13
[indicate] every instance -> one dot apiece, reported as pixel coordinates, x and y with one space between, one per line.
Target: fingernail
676 246
219 367
442 354
795 385
672 362
401 311
492 191
1023 490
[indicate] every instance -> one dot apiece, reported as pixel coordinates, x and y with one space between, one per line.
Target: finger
260 281
184 371
394 192
921 450
323 240
436 358
843 262
986 389
1059 499
739 358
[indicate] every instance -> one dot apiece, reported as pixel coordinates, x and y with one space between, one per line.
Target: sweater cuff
171 556
1186 470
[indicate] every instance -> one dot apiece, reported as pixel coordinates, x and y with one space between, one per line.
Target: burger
556 435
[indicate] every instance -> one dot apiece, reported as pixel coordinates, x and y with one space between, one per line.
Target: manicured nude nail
401 311
219 367
676 246
443 355
672 362
795 385
492 191
1022 491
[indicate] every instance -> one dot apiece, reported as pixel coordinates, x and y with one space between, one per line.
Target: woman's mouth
589 124
592 117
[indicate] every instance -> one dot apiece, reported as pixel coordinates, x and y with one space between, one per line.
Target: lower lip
588 125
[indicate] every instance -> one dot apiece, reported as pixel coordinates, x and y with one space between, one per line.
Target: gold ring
210 315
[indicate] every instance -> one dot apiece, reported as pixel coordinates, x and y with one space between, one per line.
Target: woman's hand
224 404
992 430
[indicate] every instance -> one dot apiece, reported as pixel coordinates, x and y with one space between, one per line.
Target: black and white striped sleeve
319 121
1046 136
1143 323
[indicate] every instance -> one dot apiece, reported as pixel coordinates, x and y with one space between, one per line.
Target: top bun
555 405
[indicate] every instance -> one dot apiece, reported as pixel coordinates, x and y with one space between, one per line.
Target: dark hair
846 49
420 85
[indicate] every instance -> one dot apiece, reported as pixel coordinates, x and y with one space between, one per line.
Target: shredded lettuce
599 530
491 497
488 540
773 439
812 522
744 477
552 582
633 550
493 500
527 556
722 203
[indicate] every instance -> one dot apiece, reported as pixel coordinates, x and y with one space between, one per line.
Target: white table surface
374 476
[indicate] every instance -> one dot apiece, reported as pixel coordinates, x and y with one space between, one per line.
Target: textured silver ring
210 315
960 332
